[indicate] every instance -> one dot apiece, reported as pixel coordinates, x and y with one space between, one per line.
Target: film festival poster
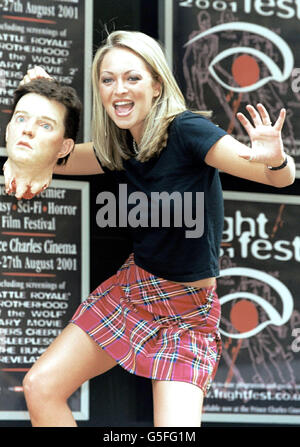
227 54
44 274
54 35
258 378
43 266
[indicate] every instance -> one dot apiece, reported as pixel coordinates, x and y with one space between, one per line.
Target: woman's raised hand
266 142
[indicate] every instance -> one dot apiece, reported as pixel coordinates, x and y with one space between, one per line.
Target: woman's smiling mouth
123 108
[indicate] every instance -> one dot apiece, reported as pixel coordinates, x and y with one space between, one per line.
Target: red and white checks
154 327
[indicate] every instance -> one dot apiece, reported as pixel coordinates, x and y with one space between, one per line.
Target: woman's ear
157 87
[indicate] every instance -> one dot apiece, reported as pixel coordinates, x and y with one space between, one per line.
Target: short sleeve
197 133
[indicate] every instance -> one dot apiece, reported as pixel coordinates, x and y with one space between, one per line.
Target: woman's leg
176 404
69 361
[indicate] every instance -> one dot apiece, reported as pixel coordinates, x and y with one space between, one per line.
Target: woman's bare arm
235 158
82 161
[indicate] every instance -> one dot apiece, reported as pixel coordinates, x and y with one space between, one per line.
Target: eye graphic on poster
245 69
244 315
230 54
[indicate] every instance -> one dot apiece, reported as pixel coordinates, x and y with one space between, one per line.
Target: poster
258 379
227 54
44 275
56 35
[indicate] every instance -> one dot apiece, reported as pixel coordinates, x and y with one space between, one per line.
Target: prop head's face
35 133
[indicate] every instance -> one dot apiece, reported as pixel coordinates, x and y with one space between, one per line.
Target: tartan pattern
154 327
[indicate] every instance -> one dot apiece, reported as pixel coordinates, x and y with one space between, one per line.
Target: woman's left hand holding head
36 72
267 146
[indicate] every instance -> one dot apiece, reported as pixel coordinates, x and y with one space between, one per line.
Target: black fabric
166 251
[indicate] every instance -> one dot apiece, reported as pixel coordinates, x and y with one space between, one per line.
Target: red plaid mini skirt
154 327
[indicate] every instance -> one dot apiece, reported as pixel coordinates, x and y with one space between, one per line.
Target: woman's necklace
135 147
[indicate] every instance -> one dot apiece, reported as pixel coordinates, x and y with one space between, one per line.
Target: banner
56 35
227 54
44 275
258 379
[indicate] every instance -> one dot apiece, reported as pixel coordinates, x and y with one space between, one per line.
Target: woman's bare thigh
70 360
176 404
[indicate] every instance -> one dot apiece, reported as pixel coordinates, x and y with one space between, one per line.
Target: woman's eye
133 78
106 80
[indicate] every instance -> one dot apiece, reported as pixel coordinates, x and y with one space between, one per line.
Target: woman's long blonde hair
110 141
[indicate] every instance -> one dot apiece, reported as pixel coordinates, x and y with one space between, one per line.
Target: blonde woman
158 315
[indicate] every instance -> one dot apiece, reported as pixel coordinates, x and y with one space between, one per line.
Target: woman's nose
121 87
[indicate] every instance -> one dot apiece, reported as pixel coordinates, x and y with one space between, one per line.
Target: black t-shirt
174 203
